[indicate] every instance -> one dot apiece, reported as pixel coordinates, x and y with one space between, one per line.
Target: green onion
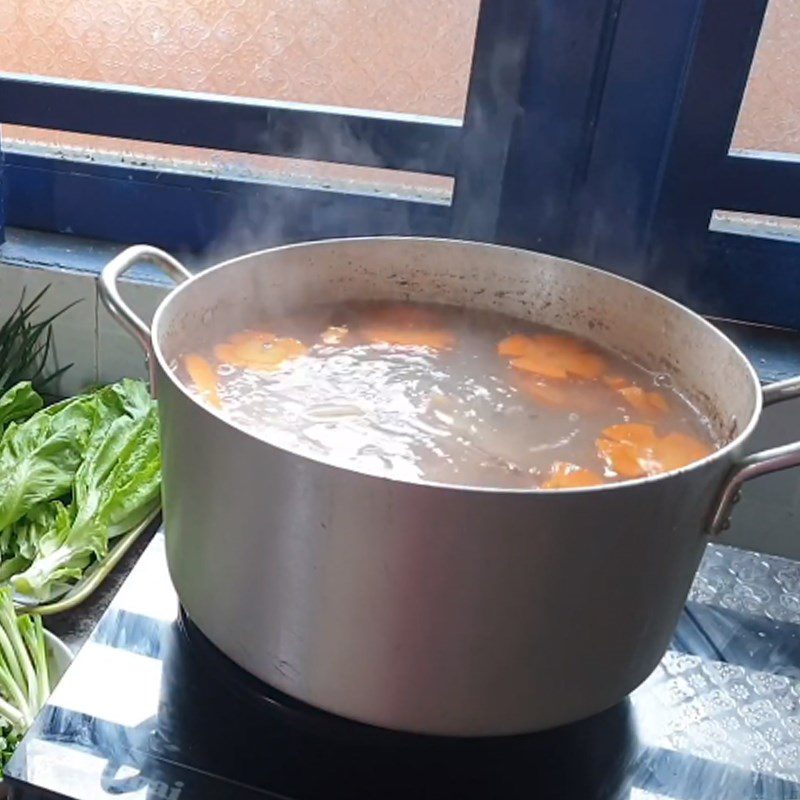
25 345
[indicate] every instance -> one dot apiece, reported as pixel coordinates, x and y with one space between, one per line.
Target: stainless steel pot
431 608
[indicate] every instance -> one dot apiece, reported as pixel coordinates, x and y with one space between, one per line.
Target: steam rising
331 202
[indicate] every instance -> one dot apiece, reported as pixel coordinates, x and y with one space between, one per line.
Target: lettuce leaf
39 457
19 402
34 526
71 477
57 561
133 488
19 543
134 396
116 487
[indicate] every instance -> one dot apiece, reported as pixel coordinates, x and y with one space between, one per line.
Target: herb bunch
26 345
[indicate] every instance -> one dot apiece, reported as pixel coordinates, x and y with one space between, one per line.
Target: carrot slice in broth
634 449
632 432
248 337
226 353
539 366
552 355
258 351
614 381
291 347
628 449
622 457
586 365
564 475
410 337
648 403
677 450
658 402
515 346
204 378
254 352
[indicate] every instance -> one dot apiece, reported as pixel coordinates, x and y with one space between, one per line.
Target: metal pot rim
722 452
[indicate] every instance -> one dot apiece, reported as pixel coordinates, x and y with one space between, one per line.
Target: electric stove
151 709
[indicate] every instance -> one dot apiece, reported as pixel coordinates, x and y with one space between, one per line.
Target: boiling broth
448 395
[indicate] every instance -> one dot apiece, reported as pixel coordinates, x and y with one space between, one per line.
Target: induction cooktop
150 709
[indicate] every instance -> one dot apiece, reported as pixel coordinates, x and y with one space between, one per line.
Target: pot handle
109 290
763 463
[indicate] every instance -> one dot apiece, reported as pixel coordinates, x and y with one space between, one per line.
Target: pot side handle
765 462
109 289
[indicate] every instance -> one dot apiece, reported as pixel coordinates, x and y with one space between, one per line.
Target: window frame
728 274
186 211
189 212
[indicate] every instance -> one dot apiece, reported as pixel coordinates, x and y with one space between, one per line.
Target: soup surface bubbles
448 395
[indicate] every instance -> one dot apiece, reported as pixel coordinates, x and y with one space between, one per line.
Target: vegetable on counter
19 402
73 476
24 674
25 346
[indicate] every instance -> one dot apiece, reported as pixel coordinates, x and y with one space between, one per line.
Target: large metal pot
431 608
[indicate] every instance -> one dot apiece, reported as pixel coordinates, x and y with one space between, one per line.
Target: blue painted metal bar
716 75
615 189
3 192
503 36
552 132
749 278
620 153
193 213
761 183
294 130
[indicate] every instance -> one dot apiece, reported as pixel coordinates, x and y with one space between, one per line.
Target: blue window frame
185 211
594 130
190 212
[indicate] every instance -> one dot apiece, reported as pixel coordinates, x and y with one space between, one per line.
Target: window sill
53 251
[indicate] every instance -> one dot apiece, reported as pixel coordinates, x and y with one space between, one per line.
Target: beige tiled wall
85 335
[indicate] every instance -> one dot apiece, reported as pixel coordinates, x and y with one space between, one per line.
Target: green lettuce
19 402
39 457
133 396
19 543
73 476
115 488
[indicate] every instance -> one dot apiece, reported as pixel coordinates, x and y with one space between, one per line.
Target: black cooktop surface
150 709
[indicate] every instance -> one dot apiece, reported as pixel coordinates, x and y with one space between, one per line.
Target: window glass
769 119
408 56
397 55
